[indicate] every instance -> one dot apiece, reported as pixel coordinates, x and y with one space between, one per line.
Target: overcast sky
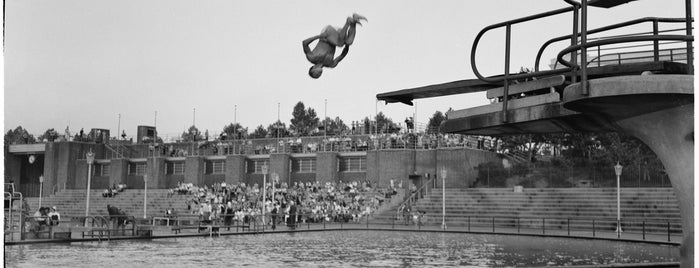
81 63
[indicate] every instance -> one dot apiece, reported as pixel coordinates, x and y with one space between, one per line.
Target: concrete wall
326 167
194 170
279 163
235 169
61 165
172 180
118 168
303 177
209 179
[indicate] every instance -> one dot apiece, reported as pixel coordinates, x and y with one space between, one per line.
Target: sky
115 64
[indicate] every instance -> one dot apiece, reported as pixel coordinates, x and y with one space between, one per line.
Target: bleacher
71 202
654 206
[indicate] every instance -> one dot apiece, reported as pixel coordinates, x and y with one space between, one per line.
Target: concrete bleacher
71 202
655 206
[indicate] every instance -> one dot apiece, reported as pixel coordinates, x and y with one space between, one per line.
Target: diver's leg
350 28
332 36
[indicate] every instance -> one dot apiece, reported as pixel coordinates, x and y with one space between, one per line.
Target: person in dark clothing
275 212
291 222
228 218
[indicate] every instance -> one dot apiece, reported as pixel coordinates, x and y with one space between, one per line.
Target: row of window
298 165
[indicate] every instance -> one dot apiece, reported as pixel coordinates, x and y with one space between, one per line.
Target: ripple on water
339 249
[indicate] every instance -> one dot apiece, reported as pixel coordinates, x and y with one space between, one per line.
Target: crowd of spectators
309 202
114 190
352 143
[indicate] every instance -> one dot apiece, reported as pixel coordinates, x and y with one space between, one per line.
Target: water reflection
339 249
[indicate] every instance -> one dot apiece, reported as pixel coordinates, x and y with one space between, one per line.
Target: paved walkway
162 231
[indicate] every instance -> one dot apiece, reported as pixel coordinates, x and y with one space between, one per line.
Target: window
255 166
102 170
137 168
175 168
216 167
352 164
303 165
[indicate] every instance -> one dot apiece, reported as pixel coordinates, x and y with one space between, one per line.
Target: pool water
340 249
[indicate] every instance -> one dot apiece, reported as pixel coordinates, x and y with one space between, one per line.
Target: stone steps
656 206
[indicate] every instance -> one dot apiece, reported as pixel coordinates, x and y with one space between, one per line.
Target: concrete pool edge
46 241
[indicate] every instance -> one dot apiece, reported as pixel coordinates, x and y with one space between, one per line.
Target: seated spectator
41 216
121 187
54 216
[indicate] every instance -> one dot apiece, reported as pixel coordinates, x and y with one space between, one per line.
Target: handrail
412 196
508 24
630 39
602 29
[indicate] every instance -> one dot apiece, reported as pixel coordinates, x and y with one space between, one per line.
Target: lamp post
264 192
145 182
617 170
275 179
444 177
41 188
90 157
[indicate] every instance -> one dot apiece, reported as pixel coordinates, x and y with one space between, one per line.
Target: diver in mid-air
323 55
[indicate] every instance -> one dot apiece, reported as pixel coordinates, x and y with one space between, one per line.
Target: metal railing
579 12
632 229
655 230
416 195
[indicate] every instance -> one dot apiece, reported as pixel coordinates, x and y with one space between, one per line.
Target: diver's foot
356 18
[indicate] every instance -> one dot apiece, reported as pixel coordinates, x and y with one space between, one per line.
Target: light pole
325 126
617 170
275 179
444 198
90 157
145 181
264 192
41 188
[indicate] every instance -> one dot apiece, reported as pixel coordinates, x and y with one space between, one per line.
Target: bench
98 232
62 235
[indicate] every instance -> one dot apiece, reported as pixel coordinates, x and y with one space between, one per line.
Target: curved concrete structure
658 110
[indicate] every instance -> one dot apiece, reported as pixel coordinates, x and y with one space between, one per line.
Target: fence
532 176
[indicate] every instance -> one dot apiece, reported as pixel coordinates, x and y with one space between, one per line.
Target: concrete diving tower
648 94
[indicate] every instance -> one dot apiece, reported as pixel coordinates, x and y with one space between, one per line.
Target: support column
670 134
194 170
279 163
235 169
326 167
156 173
118 168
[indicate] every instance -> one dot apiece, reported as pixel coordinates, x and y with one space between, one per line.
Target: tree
434 122
277 129
335 127
260 132
19 136
192 134
235 131
383 123
49 135
303 120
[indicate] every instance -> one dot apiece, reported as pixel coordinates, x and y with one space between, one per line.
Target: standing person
228 218
275 211
323 55
291 223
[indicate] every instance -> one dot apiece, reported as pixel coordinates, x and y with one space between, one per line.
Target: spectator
54 216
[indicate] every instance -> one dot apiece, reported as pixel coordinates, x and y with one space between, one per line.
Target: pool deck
162 231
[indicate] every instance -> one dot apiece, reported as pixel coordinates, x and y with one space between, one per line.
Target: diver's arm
307 42
342 56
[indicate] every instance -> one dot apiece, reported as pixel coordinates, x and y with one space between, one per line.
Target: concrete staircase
71 202
655 206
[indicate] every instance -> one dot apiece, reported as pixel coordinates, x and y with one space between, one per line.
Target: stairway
655 206
71 202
